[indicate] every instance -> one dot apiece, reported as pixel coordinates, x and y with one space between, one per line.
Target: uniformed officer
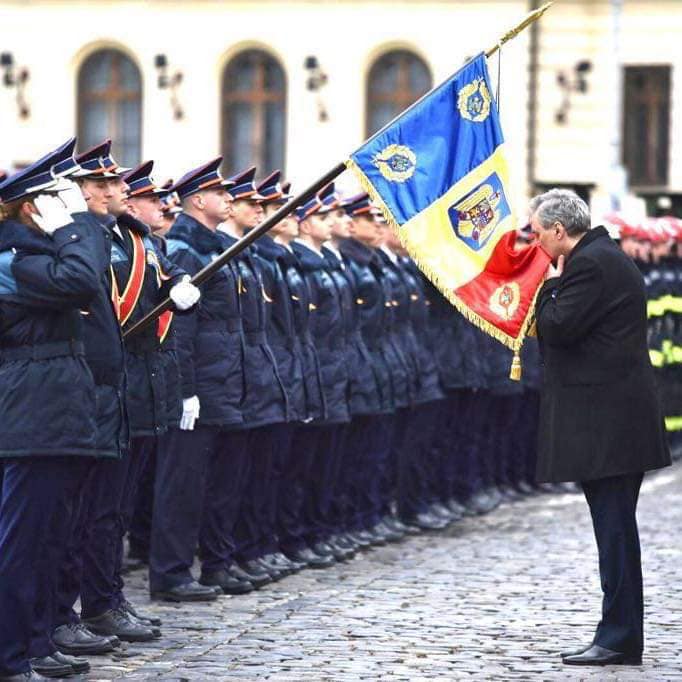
197 477
320 466
413 443
363 389
91 545
370 438
265 406
49 272
144 277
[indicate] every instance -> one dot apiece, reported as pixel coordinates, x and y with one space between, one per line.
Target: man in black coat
600 420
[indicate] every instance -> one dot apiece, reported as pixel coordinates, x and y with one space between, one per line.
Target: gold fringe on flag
513 343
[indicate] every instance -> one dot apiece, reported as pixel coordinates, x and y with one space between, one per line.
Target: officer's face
364 229
246 213
287 228
147 210
318 229
216 204
97 195
119 203
339 222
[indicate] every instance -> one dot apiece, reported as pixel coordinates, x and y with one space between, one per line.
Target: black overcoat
599 413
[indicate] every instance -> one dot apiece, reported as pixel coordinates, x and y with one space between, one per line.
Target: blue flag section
440 176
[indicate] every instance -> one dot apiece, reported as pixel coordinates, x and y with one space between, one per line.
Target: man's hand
555 270
184 294
190 413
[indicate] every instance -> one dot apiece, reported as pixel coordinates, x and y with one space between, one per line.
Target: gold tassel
515 372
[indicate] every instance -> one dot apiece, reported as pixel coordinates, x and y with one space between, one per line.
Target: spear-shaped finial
512 33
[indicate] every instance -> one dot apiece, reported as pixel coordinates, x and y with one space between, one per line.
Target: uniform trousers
111 485
36 506
324 477
141 449
613 506
412 451
92 550
369 449
139 535
199 480
291 522
255 532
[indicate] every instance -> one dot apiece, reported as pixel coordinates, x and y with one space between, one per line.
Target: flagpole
208 271
236 248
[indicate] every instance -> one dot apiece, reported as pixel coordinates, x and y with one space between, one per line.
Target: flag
439 174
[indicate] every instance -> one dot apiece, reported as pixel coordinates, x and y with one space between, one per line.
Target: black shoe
577 652
78 665
76 639
272 562
145 618
226 582
426 521
48 666
256 579
295 566
117 622
387 533
156 631
312 559
395 524
187 592
360 538
271 570
342 551
376 537
441 512
456 508
525 488
345 541
597 655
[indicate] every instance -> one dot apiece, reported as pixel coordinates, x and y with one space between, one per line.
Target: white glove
190 413
52 214
184 294
73 199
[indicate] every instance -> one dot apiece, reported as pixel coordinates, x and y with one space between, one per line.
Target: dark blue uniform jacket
364 396
289 331
329 331
47 391
371 300
208 337
428 386
147 394
265 398
104 345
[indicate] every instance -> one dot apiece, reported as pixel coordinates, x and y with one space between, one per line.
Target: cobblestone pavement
493 598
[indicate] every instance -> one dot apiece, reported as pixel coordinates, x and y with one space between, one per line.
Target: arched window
254 113
110 104
396 80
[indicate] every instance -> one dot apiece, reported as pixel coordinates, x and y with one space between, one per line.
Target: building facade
299 85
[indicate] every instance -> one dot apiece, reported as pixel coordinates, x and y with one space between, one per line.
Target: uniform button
74 236
153 374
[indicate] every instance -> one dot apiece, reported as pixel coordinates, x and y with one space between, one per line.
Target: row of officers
314 398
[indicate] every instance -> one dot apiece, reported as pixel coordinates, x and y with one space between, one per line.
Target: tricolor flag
439 174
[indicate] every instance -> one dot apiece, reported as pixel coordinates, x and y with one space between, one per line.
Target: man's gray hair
562 206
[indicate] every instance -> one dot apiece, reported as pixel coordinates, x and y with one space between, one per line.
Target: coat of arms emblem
473 101
475 217
505 300
396 162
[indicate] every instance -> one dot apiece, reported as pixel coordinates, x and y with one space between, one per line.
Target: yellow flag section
439 174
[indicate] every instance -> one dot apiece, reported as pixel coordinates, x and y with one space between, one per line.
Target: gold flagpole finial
512 33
